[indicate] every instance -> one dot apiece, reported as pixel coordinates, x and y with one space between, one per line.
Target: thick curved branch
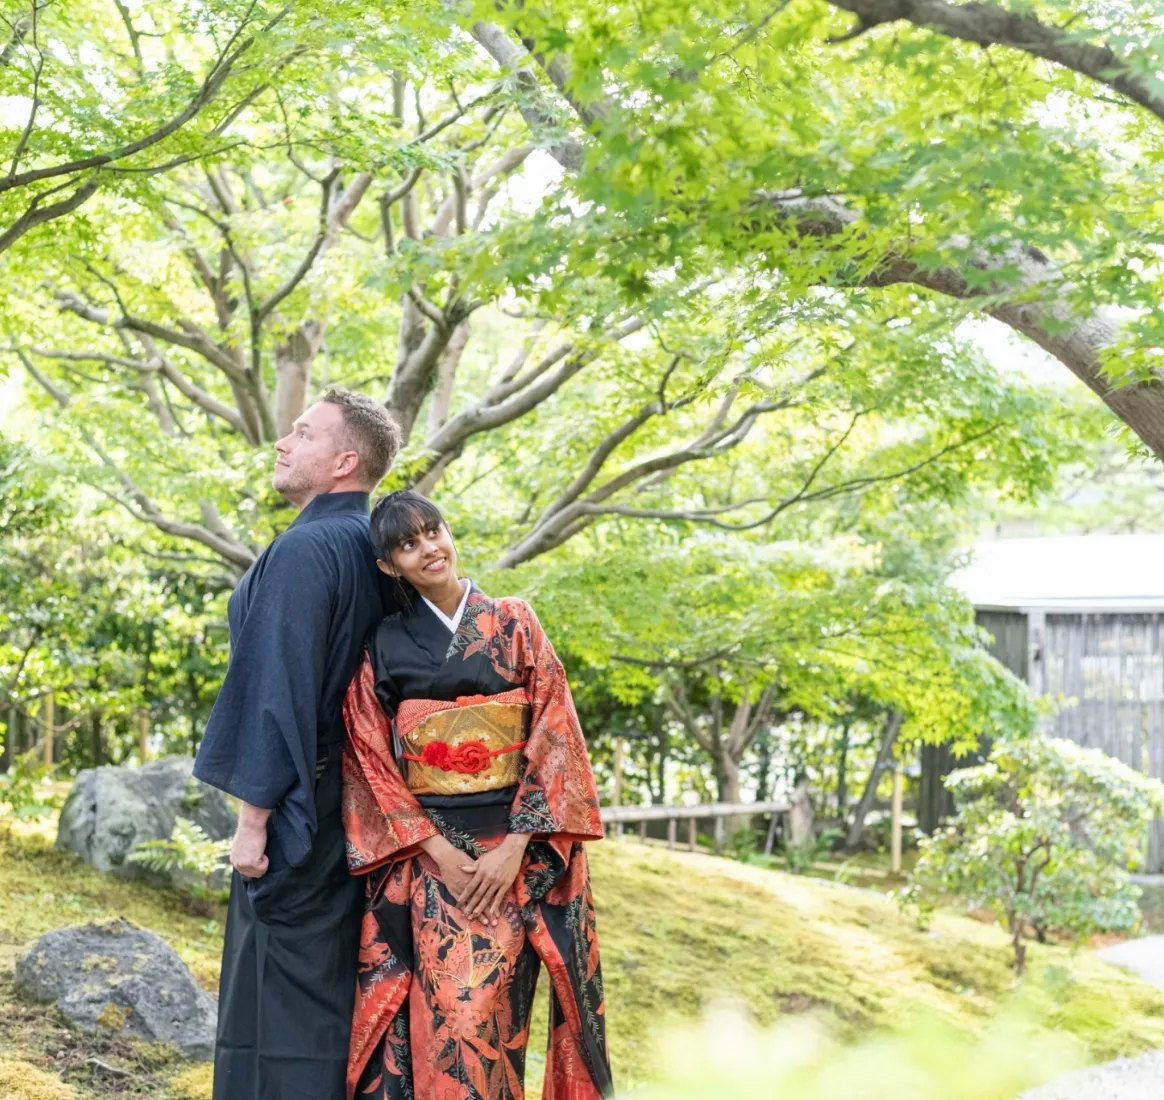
538 113
139 505
988 24
42 380
1029 305
189 335
192 392
214 535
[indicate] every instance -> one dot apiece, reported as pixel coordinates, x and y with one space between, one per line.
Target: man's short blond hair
368 430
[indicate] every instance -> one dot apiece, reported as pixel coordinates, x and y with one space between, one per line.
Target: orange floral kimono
468 729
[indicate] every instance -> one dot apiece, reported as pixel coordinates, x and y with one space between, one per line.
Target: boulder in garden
120 977
111 810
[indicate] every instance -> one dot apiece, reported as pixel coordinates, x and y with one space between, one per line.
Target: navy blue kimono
298 621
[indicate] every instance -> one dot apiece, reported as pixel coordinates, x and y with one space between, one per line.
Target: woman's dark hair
400 516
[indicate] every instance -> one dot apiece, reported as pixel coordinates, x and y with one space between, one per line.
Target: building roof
1067 572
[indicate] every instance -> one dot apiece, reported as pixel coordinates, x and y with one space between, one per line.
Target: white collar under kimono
459 614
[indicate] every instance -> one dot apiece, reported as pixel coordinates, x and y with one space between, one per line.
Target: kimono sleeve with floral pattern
556 795
382 819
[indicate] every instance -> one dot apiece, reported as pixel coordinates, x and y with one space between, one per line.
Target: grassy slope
677 931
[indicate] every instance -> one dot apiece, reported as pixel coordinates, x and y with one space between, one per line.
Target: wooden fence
614 817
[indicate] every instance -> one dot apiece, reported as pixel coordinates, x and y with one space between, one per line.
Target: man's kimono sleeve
260 742
557 795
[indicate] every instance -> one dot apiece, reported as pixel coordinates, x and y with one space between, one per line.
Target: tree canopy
670 301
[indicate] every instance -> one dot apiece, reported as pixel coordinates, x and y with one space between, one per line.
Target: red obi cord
469 757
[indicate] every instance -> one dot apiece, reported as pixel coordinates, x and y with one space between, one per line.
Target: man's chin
285 485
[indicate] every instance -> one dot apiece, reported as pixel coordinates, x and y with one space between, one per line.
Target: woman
467 795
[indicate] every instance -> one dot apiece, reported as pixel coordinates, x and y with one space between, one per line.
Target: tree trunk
728 778
1020 948
842 774
9 752
801 820
728 781
442 394
892 728
764 772
96 739
293 362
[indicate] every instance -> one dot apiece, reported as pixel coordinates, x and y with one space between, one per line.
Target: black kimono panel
410 654
298 621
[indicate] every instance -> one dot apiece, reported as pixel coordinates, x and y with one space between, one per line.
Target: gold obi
466 749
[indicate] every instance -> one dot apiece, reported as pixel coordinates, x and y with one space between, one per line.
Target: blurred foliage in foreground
728 1057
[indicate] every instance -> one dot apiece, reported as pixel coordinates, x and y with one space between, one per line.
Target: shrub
1044 835
730 1059
25 789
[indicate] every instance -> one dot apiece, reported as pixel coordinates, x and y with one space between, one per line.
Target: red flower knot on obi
470 757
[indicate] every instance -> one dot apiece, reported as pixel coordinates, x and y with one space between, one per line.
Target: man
298 621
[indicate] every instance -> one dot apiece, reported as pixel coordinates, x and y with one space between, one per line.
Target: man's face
310 460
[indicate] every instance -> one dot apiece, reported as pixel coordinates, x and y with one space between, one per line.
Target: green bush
25 793
730 1059
1044 836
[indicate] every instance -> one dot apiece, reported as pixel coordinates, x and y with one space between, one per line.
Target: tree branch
37 69
191 336
989 24
537 112
511 398
300 273
1030 305
211 86
144 510
802 495
675 700
19 29
35 214
57 394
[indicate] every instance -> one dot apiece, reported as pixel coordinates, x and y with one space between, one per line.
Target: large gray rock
123 978
111 810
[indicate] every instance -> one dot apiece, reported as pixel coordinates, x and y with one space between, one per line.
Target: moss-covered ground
678 932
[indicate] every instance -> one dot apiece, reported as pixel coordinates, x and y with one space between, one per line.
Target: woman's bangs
402 520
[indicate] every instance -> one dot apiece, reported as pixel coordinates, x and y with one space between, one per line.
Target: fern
187 849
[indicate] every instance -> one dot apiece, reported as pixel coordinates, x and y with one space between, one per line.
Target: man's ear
349 462
384 567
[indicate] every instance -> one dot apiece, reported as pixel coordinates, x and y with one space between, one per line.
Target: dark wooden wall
1010 646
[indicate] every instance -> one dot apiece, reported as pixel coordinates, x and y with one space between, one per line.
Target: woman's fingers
491 904
485 884
477 901
469 897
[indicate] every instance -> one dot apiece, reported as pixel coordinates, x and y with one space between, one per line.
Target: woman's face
426 559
